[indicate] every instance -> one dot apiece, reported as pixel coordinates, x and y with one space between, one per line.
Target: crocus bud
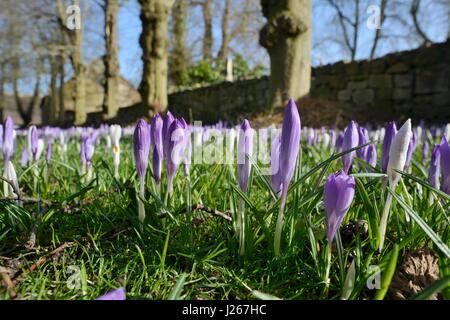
411 148
32 142
445 165
391 131
433 172
24 158
115 133
425 151
176 148
245 149
275 177
398 153
397 160
157 142
289 148
290 143
363 136
8 139
339 142
40 149
338 193
371 156
167 121
351 140
48 155
141 144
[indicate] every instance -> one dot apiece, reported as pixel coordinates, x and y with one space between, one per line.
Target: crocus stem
168 190
279 225
241 227
327 270
141 207
116 171
383 222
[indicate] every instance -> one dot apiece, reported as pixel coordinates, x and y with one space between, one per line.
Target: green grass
194 255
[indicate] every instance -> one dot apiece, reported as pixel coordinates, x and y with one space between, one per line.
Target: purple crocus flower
88 150
290 143
245 148
157 142
289 148
445 165
175 150
425 151
363 135
411 148
141 144
338 193
391 131
433 172
8 139
117 294
48 155
275 177
33 141
339 142
371 156
167 121
24 158
351 140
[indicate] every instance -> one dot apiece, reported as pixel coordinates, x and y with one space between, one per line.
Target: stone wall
397 86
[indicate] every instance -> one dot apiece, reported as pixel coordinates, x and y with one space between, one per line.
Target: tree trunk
76 57
287 38
26 113
53 113
208 34
153 87
2 91
62 75
178 56
223 52
112 72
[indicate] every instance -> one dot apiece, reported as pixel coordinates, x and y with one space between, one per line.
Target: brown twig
201 207
41 260
8 283
13 186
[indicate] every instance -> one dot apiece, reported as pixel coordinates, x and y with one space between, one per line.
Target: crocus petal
398 153
390 132
433 172
141 144
351 140
445 165
117 294
290 143
245 149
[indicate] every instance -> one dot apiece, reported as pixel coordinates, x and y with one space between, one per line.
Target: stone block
403 80
398 68
344 95
380 81
363 96
401 94
354 85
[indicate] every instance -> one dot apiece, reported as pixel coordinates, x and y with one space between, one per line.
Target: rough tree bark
178 56
62 75
208 34
112 72
53 110
76 57
2 90
223 52
153 88
287 38
26 112
378 32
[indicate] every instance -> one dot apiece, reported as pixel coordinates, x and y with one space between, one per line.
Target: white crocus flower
115 132
447 132
326 140
397 160
40 148
10 173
